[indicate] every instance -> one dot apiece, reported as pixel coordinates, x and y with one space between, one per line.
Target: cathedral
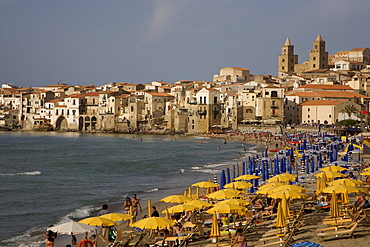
318 58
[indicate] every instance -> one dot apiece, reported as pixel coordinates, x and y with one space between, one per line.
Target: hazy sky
96 42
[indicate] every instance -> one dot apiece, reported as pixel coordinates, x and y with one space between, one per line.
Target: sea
48 178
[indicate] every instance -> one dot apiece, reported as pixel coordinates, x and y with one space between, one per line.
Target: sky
82 42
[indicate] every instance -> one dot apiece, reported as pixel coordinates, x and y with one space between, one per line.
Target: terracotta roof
359 49
61 106
54 100
213 89
237 68
327 87
323 102
339 94
301 94
160 94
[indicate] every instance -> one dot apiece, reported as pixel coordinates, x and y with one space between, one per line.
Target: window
214 100
283 60
74 101
314 58
308 116
329 116
308 109
282 67
73 112
314 65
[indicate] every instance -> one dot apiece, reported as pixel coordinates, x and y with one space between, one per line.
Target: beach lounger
339 233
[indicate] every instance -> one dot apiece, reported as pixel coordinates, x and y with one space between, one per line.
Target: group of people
133 202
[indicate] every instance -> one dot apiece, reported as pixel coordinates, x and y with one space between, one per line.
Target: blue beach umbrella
228 178
243 167
222 179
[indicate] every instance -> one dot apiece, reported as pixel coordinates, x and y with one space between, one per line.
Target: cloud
163 19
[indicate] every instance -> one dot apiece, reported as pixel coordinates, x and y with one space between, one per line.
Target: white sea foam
209 171
151 190
78 214
34 173
182 170
214 165
196 168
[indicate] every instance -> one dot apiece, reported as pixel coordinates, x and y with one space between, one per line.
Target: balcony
274 107
192 103
215 112
202 112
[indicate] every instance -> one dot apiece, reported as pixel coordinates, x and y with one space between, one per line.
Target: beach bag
112 235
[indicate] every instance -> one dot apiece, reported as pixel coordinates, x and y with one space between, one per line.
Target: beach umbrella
271 186
98 221
367 173
333 168
176 199
227 208
116 216
345 198
222 179
341 189
205 184
280 218
367 169
246 177
239 202
181 208
347 181
334 209
289 187
149 208
153 223
330 174
291 194
285 207
197 193
238 185
72 227
222 194
284 177
198 204
215 230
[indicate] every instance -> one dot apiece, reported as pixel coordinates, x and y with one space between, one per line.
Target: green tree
350 110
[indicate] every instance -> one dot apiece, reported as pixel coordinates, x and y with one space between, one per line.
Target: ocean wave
214 165
79 213
151 190
196 168
34 173
209 171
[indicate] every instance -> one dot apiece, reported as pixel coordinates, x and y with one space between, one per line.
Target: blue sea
50 178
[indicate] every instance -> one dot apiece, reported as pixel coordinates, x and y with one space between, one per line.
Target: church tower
318 55
287 59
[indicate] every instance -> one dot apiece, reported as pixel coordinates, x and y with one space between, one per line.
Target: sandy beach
306 232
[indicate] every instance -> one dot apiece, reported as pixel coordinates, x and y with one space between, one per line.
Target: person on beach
155 212
239 239
135 206
127 204
50 237
104 210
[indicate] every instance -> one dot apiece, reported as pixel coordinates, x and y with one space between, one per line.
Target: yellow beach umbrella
347 181
345 198
227 208
333 169
149 208
153 223
271 186
285 207
330 174
291 194
341 189
246 177
176 199
285 177
197 192
289 187
205 184
367 169
222 194
334 209
198 204
116 216
238 185
98 221
215 230
181 208
280 218
367 173
239 202
168 214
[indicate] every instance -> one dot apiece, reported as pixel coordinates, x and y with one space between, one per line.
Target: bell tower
287 59
318 55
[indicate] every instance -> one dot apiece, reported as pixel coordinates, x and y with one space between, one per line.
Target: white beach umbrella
72 227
